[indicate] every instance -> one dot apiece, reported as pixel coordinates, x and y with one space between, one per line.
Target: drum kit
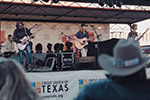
7 54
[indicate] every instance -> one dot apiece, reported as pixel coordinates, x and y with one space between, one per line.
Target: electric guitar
81 43
26 40
143 34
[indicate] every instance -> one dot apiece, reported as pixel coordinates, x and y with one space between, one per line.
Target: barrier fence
63 85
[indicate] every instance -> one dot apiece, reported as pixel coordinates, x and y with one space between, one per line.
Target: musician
133 32
19 33
80 35
9 44
8 49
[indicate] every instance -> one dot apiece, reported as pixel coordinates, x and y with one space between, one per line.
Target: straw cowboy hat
127 58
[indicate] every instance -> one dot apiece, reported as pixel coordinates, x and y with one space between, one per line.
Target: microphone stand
97 38
66 35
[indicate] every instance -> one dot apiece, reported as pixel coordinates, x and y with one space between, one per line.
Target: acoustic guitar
81 43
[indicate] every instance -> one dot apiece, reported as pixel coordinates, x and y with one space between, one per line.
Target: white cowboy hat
127 58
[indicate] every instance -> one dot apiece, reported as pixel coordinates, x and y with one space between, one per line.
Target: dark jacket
80 35
20 33
109 89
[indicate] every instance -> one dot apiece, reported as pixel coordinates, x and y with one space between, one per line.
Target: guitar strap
25 31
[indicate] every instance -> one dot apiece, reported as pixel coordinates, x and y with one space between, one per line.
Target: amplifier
85 59
86 63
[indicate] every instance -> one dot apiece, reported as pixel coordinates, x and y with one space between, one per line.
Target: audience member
13 84
127 78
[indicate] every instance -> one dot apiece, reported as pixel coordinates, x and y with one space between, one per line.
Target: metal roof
125 2
51 13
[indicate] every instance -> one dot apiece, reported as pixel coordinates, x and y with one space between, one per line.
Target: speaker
104 47
86 63
67 59
50 60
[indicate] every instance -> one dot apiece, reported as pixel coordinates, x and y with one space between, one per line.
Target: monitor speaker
86 63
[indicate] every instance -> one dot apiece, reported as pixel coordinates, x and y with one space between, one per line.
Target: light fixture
35 0
101 2
110 3
118 3
55 1
46 0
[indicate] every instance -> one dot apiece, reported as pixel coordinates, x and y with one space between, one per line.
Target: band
77 44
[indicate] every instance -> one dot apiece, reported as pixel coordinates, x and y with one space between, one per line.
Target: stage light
35 0
118 3
46 0
55 1
110 3
101 2
39 48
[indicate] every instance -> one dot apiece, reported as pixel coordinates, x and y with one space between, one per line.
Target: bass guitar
143 34
26 40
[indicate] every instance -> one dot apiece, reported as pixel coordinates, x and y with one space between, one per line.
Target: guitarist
19 33
81 34
133 32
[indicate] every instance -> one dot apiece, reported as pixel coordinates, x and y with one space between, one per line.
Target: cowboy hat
127 58
83 24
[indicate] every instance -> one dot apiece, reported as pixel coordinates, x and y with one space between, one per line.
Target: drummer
9 45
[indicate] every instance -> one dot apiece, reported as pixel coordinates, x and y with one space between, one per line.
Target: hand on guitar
82 43
23 42
33 35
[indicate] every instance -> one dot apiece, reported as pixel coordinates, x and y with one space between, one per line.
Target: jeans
28 52
84 52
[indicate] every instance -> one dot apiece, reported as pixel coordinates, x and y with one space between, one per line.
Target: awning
51 13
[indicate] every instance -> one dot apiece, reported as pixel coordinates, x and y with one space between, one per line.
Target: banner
63 85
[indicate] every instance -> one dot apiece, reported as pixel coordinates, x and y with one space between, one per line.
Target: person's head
83 27
127 60
9 37
13 84
19 25
134 27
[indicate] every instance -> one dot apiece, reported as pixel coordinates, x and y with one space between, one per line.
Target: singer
79 36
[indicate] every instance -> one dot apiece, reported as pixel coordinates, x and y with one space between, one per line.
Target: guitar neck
90 39
142 35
